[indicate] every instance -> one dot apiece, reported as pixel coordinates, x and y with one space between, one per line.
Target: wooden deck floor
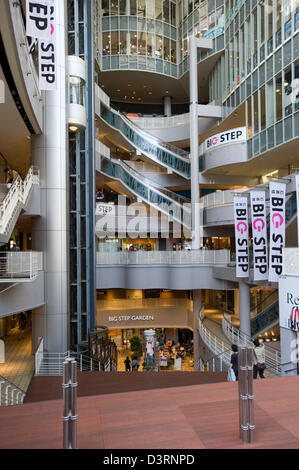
190 417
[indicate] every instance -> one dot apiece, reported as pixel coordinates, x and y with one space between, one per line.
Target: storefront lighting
73 128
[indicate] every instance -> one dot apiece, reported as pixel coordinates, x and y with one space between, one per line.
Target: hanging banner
47 54
259 235
297 196
38 19
277 193
241 235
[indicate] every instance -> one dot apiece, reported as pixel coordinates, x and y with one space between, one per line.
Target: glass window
114 42
173 51
166 50
141 8
150 44
133 43
296 18
249 118
278 94
123 7
295 86
287 96
263 108
278 22
172 13
166 11
122 42
158 52
114 8
150 9
141 42
77 90
133 7
158 9
256 113
106 44
105 7
269 103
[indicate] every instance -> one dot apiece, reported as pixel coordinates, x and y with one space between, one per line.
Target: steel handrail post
73 405
250 394
66 403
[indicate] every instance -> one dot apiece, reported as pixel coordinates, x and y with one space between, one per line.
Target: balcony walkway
187 417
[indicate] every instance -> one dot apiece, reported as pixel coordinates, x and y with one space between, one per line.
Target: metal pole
250 395
66 403
243 396
73 405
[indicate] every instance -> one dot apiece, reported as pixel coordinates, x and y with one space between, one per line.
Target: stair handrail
18 194
272 357
15 391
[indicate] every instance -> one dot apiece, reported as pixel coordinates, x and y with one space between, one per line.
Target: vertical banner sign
241 235
297 196
38 23
48 54
259 235
277 192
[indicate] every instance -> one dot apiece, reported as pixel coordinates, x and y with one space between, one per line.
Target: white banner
277 192
233 136
297 195
48 55
289 303
241 235
259 235
38 19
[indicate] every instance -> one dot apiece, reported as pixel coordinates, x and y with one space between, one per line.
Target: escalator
176 207
159 152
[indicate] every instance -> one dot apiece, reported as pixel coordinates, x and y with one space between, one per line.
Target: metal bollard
250 395
69 387
243 396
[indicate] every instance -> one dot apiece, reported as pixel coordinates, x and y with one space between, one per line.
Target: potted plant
136 345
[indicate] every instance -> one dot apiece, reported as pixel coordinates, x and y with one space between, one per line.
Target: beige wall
164 317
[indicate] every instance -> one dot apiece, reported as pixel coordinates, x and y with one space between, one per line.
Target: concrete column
167 105
196 339
193 91
288 352
244 293
50 231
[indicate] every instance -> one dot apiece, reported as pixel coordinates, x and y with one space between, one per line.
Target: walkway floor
19 361
192 417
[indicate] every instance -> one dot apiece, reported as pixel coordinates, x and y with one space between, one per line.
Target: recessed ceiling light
73 128
150 93
166 91
118 89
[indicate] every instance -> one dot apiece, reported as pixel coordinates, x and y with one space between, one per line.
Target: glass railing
186 257
265 320
162 199
172 157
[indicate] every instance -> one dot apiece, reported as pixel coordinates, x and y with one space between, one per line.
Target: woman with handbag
259 359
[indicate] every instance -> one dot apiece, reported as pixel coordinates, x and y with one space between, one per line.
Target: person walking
135 364
259 359
128 364
234 360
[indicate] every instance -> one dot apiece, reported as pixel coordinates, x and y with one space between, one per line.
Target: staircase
168 202
14 201
160 152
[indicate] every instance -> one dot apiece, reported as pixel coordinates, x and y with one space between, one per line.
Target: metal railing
16 199
220 198
161 122
18 266
10 394
51 364
202 257
235 336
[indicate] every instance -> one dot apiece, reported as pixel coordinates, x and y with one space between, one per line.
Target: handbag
231 376
261 366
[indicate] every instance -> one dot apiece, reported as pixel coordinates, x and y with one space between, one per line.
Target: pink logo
277 220
294 318
52 29
243 229
257 226
214 140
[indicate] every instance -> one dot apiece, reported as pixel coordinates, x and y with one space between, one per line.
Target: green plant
149 366
169 363
136 345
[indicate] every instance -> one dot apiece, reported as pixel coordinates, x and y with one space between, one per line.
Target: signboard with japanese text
277 192
259 235
241 236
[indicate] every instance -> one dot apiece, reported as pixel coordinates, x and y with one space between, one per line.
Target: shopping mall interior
128 131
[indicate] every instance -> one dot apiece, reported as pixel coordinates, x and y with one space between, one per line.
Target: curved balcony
21 64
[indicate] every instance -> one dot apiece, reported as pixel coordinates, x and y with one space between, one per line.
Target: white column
196 339
49 153
167 105
193 91
244 301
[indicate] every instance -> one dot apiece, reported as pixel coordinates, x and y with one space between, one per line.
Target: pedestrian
128 364
259 359
234 360
135 364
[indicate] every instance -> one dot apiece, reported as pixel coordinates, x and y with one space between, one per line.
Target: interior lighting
73 128
150 93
